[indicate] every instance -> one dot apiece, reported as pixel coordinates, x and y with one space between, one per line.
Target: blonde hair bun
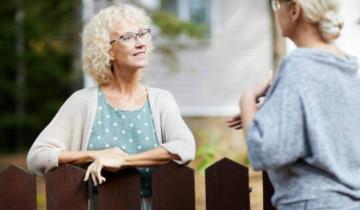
325 13
330 25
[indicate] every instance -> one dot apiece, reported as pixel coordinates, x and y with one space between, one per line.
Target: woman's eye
126 38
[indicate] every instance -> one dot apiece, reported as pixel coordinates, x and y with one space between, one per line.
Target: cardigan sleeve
44 153
178 137
276 136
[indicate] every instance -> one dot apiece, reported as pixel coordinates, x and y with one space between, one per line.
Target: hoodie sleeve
276 136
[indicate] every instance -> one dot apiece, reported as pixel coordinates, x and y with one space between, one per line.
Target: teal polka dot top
131 131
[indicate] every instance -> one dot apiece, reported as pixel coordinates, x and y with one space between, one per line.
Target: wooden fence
227 188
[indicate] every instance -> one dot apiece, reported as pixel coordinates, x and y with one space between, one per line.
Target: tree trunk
20 74
76 74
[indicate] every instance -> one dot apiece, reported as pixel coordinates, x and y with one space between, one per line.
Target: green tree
36 72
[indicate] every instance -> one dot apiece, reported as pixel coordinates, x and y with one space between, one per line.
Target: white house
237 55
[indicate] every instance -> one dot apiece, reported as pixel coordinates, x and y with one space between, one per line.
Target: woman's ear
111 54
295 11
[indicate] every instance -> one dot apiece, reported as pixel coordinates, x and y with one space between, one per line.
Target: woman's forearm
76 157
154 157
248 109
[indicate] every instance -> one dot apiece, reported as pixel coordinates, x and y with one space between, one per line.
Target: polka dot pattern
131 131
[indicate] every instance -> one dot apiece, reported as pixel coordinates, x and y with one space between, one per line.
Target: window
196 11
170 5
199 11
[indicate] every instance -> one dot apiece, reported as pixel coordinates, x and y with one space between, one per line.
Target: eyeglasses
131 37
276 4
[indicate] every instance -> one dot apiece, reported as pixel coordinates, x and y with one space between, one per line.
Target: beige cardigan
70 129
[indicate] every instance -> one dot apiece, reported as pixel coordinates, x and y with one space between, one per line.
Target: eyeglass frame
137 35
276 4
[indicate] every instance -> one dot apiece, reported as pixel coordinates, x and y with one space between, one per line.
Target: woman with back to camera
306 133
119 122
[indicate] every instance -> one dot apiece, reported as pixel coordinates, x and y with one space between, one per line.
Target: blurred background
207 52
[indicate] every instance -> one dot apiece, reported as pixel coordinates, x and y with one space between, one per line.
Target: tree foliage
51 31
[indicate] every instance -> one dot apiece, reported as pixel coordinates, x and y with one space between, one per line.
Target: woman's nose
139 43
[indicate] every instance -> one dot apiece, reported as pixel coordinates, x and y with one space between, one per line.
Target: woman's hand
251 98
109 159
235 122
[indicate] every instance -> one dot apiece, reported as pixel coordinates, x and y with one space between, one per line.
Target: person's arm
79 157
249 102
154 157
248 109
275 135
76 157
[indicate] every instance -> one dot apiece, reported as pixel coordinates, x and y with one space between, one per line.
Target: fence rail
173 188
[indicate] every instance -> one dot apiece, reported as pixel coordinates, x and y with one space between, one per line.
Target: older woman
120 122
306 133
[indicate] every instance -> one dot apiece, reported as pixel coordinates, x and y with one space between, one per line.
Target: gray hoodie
307 132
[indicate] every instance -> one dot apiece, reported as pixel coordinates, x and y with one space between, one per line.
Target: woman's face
129 45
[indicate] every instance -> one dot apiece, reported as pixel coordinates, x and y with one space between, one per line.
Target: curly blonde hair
96 38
